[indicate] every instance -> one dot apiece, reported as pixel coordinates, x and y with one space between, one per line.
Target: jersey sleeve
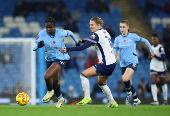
94 38
69 33
64 32
116 47
86 45
141 39
137 38
161 50
37 40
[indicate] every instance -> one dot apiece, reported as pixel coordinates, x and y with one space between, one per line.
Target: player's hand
152 54
64 50
79 43
115 54
40 44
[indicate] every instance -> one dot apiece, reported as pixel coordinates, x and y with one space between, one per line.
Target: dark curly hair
50 20
155 35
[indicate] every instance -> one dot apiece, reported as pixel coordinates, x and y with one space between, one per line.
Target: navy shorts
62 63
132 66
160 74
104 70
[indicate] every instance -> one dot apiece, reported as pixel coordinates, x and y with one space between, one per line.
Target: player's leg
58 65
90 72
126 79
57 91
102 82
154 89
134 95
164 88
49 83
128 85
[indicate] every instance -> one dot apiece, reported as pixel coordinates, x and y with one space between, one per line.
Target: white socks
107 93
86 86
165 91
154 92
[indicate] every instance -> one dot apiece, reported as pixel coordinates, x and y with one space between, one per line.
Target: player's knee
47 77
162 82
125 78
153 81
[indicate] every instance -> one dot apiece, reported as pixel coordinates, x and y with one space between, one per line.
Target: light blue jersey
52 44
127 46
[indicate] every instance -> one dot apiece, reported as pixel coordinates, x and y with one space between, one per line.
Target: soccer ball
22 98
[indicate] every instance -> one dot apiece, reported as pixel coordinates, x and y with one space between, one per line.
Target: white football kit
157 66
104 49
103 46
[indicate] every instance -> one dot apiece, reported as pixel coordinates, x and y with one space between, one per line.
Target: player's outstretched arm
73 36
86 45
38 45
149 46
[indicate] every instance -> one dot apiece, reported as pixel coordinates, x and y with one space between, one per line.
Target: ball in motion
22 98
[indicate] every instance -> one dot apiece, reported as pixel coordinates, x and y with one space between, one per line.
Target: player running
126 43
52 40
101 40
158 68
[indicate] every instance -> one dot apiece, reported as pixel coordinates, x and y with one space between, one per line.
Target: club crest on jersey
129 40
59 40
92 36
54 42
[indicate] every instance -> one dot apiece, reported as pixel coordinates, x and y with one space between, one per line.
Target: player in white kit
101 40
158 68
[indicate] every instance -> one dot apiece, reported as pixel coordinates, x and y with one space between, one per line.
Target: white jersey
103 46
156 64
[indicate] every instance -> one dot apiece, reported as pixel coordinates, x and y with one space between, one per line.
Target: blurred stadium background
23 19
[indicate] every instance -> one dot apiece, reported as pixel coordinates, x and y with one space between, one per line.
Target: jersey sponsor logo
37 37
54 42
124 46
124 40
129 40
92 36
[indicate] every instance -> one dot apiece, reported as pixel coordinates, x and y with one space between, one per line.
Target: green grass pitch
88 110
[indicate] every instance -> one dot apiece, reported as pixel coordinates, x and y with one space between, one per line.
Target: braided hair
50 20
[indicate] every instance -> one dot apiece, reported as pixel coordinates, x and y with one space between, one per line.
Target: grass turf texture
88 110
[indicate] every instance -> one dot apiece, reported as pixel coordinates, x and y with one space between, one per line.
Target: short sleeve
93 38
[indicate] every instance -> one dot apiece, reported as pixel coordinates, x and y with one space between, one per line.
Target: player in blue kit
126 43
101 40
51 39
